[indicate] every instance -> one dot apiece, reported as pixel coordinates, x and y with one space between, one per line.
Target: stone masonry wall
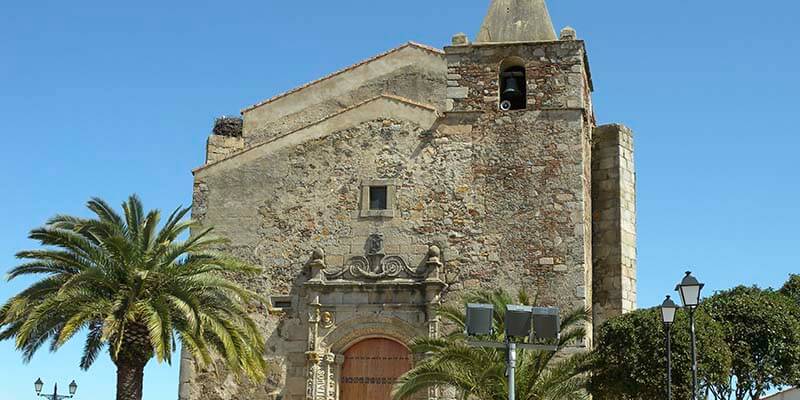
507 211
556 72
225 139
411 72
531 167
219 147
278 209
614 197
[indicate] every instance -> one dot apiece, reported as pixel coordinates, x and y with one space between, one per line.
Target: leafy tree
792 288
479 373
134 289
763 331
629 360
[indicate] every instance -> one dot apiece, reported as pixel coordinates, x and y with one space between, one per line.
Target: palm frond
147 240
121 279
105 212
479 373
93 345
134 214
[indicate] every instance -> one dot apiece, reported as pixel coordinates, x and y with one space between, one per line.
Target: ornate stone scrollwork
376 265
376 271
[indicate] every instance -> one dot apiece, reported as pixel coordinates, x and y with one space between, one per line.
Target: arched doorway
371 367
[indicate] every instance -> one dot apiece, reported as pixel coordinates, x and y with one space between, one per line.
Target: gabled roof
384 106
342 71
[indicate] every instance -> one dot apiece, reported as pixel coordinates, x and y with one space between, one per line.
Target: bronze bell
511 87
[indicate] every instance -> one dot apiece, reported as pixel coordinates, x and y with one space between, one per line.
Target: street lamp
668 309
480 318
38 385
520 322
689 289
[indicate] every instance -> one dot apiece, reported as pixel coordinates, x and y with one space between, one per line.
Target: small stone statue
318 255
317 264
434 253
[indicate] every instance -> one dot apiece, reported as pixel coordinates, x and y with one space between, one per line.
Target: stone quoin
376 193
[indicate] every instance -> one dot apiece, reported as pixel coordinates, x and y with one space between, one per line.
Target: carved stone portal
334 324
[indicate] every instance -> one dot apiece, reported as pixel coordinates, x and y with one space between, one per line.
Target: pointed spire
516 21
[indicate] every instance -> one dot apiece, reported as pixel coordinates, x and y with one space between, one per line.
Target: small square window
378 198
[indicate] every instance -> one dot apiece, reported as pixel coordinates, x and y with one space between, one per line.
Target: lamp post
689 289
668 309
519 322
38 385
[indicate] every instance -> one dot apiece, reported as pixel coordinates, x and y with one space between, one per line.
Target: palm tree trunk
134 354
129 381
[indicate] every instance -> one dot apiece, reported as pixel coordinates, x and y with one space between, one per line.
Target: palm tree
135 289
479 373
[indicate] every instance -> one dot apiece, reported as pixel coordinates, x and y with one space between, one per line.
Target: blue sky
102 98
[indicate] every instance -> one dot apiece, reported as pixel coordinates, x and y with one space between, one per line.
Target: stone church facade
374 194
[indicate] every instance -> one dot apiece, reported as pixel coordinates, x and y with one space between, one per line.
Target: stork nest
228 126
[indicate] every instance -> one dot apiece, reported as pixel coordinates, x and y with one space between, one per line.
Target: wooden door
371 368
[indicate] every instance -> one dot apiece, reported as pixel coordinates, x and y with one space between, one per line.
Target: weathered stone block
457 92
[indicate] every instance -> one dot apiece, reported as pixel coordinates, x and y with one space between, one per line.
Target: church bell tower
559 190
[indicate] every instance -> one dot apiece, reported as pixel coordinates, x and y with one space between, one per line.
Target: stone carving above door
374 244
376 265
346 303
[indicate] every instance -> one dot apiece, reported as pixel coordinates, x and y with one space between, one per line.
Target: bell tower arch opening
513 84
371 367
